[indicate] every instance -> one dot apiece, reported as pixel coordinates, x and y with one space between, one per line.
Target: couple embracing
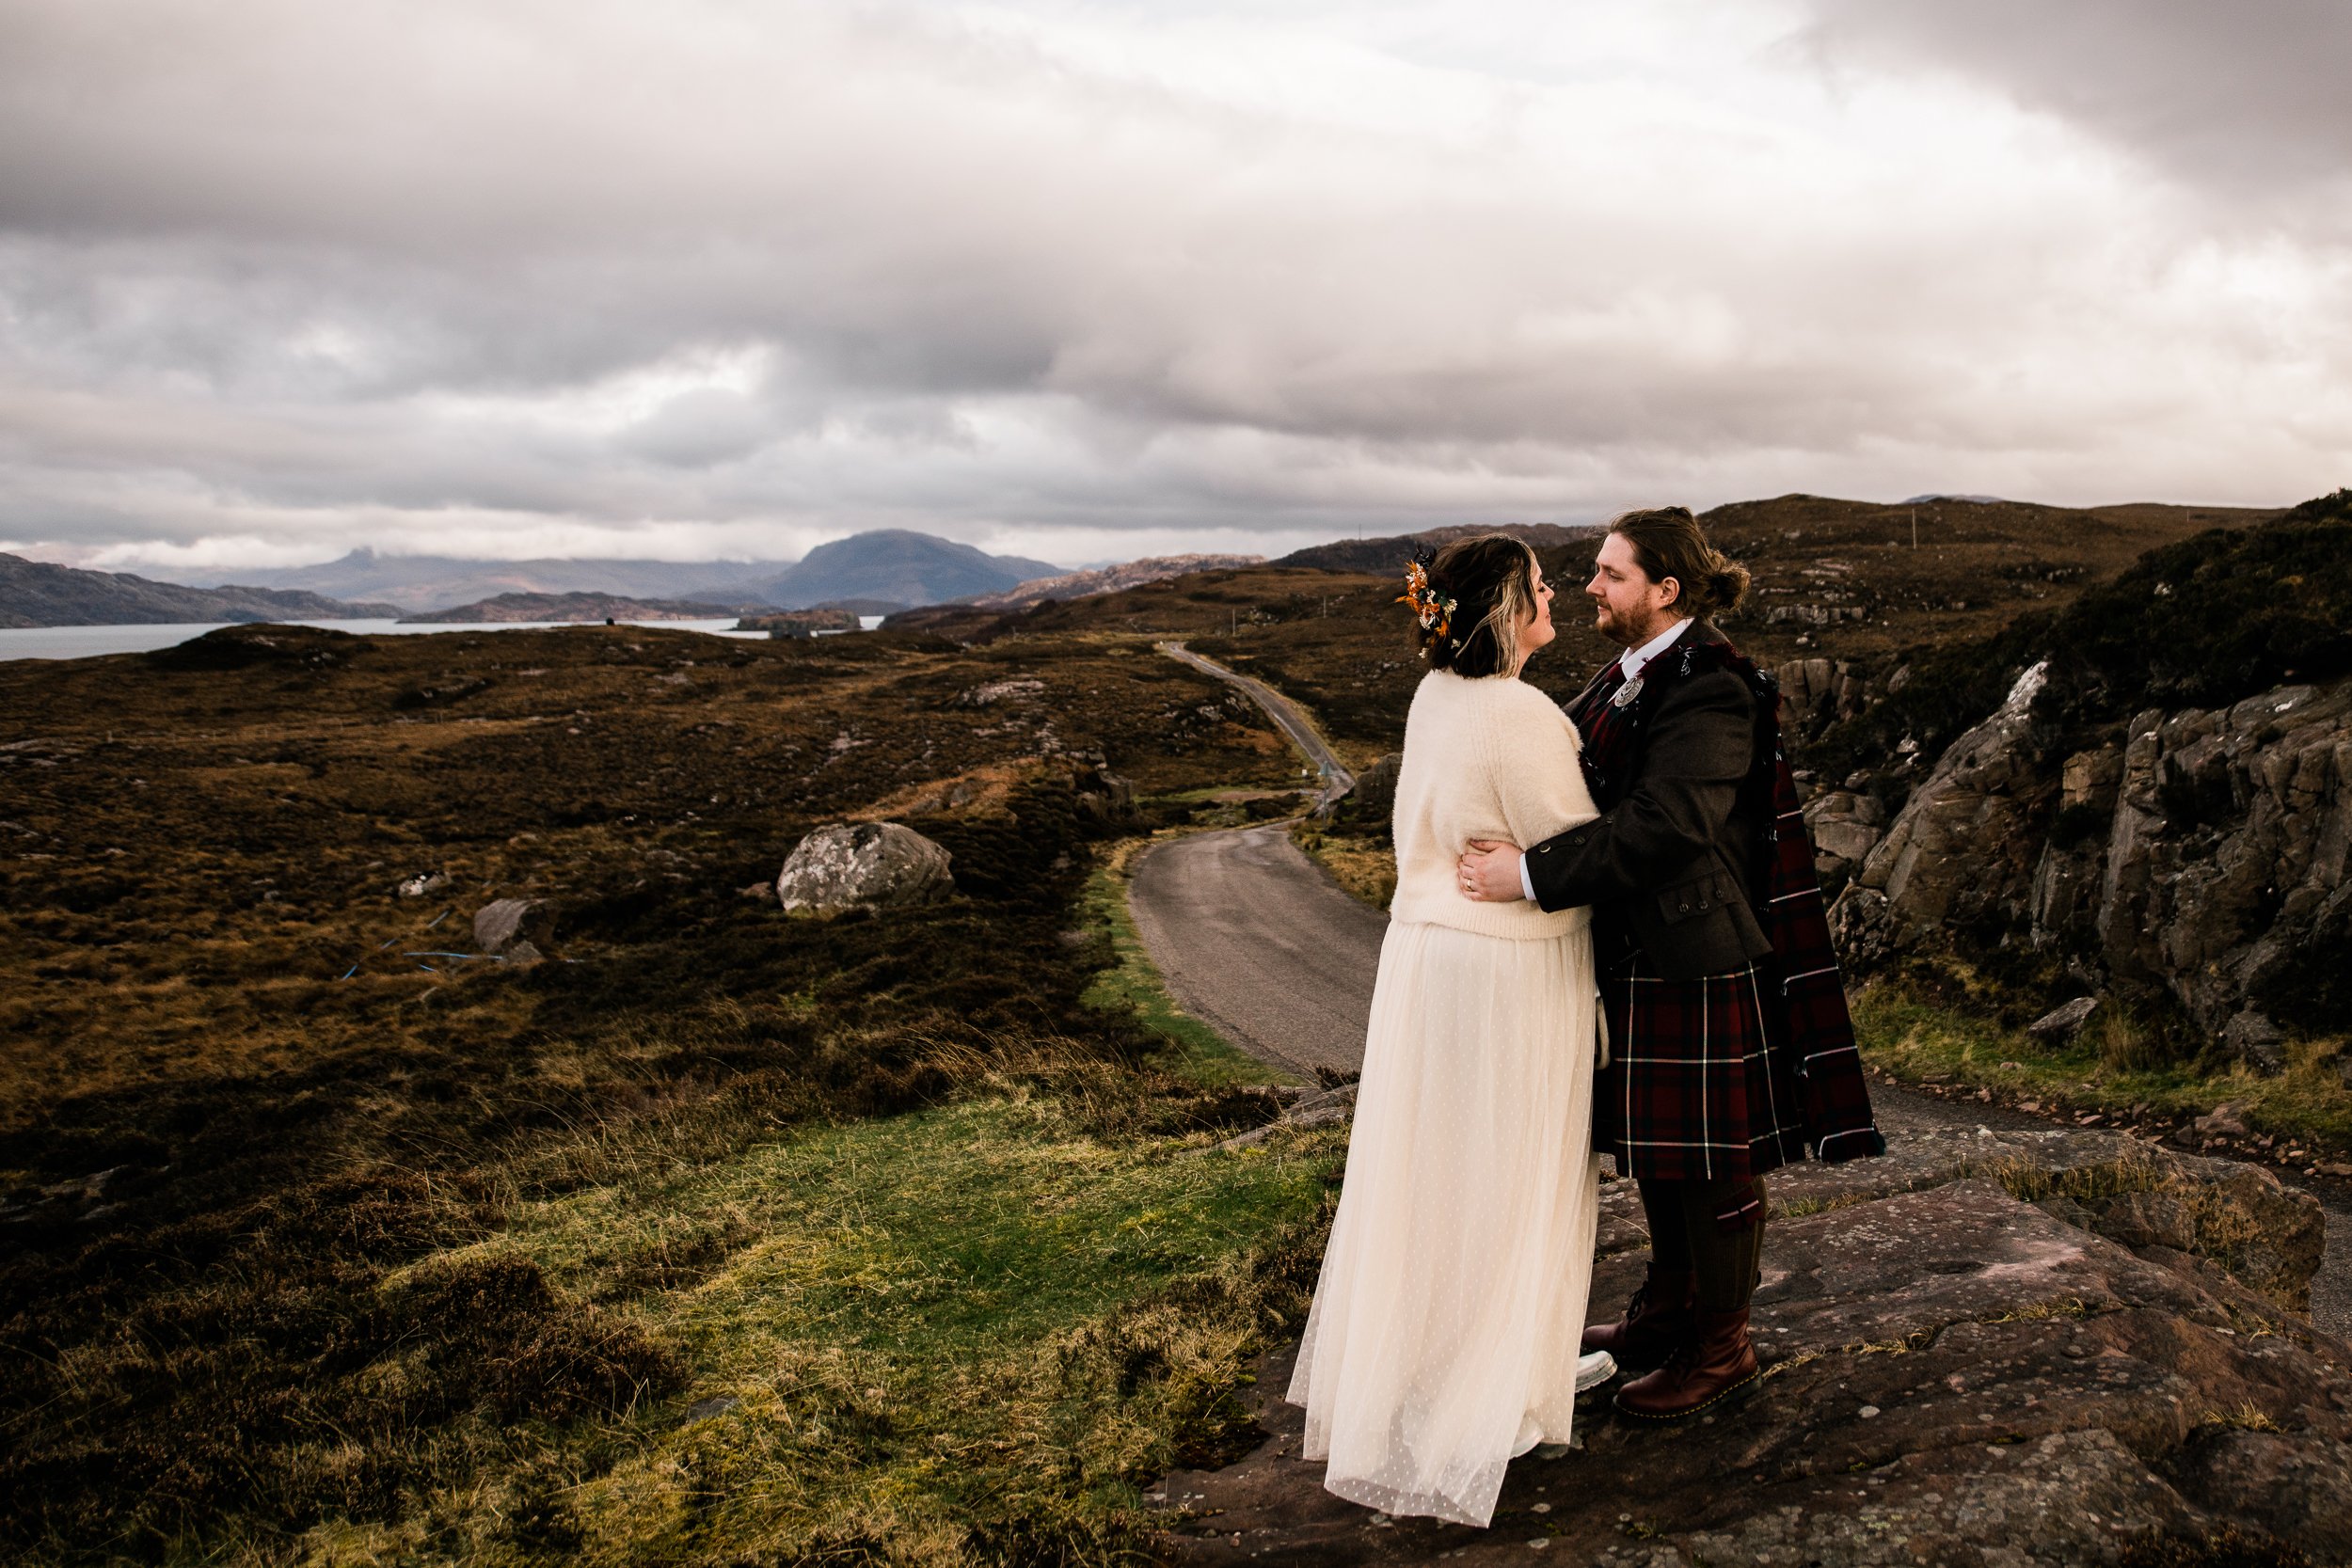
1606 939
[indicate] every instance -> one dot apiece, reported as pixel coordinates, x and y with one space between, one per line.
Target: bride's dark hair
1492 580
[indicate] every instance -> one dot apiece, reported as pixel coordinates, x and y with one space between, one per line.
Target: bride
1442 1340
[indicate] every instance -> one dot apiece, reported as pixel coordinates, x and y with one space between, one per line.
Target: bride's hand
1489 872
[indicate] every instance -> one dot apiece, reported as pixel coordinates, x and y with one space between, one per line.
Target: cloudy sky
730 277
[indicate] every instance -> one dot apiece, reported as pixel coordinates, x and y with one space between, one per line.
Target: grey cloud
419 267
2246 96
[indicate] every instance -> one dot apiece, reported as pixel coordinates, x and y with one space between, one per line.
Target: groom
1731 1050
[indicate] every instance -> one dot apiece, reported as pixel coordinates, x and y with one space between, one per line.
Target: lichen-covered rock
877 865
1954 1373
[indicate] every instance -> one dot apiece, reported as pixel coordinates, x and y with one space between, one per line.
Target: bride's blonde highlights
1491 577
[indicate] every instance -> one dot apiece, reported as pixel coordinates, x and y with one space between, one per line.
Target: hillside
1834 581
575 607
36 593
416 583
895 569
1106 579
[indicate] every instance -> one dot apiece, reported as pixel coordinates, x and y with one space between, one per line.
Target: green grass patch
1195 1052
1363 863
966 1334
2103 1069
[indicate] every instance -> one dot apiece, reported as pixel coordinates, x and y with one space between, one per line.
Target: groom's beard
1613 627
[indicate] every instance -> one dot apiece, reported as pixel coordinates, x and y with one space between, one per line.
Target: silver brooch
1626 693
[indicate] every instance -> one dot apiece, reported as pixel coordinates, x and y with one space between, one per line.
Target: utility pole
1915 528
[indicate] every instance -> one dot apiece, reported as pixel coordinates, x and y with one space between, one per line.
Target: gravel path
1257 942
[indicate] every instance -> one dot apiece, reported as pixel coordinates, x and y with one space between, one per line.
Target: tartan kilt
1693 1091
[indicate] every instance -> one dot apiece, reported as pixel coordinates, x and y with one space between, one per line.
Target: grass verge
1363 863
966 1334
2301 1117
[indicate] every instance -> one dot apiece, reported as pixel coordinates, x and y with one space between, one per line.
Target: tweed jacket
1665 865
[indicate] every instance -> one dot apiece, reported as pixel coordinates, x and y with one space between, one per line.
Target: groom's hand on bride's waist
1492 872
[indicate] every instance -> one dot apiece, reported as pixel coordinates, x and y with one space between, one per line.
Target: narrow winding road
1261 944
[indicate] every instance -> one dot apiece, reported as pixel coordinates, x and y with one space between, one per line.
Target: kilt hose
1691 1092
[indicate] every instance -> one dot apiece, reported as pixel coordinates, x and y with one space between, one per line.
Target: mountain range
38 593
876 572
895 569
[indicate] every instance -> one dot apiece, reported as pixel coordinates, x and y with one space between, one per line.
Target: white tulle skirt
1442 1340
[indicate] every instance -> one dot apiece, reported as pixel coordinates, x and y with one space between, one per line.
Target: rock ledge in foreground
1985 1349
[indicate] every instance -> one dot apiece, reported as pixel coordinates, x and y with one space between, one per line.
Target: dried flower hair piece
1435 610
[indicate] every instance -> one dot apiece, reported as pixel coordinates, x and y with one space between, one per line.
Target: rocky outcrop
1985 1349
1845 827
1372 800
1969 817
2221 874
1097 794
874 865
2200 854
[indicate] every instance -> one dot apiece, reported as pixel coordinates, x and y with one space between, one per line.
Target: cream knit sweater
1493 758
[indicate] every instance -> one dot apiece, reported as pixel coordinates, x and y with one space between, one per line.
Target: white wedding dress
1442 1340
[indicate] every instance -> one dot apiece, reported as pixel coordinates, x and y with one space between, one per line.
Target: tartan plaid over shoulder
1808 1033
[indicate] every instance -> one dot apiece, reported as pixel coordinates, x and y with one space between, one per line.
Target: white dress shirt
1632 663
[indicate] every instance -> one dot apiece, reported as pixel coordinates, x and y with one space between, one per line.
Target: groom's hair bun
1491 580
1668 542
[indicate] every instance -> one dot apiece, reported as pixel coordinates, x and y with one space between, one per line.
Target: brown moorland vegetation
275 1145
1834 580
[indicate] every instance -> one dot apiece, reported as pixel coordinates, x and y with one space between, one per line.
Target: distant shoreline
93 641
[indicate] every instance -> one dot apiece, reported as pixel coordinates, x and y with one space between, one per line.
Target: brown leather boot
1656 1322
1718 1366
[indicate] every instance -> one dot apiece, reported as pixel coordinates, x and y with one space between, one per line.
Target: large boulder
2032 1348
843 865
506 924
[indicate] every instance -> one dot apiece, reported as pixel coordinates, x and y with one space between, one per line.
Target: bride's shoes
1595 1368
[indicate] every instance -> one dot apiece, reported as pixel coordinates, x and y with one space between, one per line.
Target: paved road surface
1257 942
1337 780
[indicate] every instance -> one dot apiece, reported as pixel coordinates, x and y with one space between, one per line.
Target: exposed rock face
502 926
1932 866
2226 856
1815 694
874 864
1985 1349
1845 828
2202 854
